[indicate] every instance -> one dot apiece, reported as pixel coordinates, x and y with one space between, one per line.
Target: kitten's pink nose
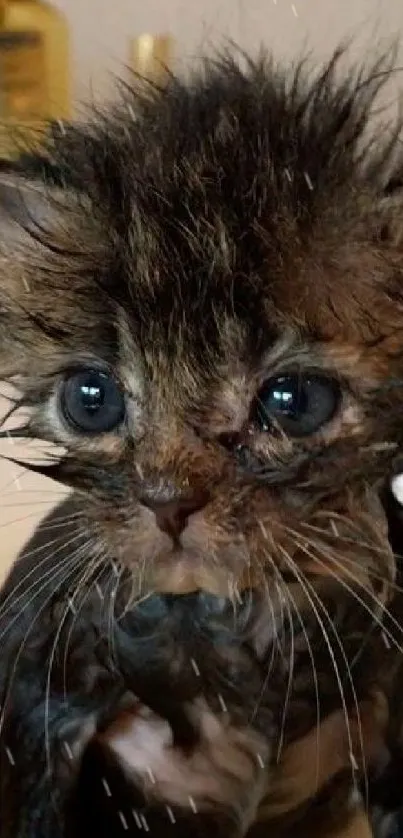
173 511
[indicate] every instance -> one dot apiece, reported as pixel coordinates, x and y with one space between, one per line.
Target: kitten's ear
387 216
30 216
25 204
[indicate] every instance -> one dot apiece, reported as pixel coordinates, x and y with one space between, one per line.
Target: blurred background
101 31
56 56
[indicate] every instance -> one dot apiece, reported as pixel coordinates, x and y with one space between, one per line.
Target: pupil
284 400
289 398
92 396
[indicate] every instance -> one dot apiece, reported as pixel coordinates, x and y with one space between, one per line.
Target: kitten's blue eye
299 404
91 402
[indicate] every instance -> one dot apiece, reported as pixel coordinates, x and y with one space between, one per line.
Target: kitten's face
210 326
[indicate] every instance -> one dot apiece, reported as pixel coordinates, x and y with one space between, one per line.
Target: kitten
201 309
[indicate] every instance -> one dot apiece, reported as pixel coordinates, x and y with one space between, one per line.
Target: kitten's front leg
39 769
41 750
314 791
112 775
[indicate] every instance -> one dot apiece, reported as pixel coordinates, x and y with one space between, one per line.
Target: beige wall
100 31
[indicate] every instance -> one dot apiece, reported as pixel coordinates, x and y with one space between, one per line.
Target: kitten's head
206 315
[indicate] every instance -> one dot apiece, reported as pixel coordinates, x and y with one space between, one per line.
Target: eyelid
343 382
74 367
95 364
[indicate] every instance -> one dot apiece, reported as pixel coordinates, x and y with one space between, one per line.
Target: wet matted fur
201 310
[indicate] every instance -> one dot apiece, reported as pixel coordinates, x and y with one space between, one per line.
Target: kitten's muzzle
172 507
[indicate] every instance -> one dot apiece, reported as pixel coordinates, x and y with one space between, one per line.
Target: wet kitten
201 306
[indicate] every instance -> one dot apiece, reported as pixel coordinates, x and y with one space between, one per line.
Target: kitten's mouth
184 572
185 569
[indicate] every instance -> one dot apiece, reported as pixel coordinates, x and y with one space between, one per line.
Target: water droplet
195 667
170 814
353 761
99 592
106 787
137 820
192 805
68 750
334 528
17 483
308 181
123 821
10 757
144 823
223 705
139 471
72 606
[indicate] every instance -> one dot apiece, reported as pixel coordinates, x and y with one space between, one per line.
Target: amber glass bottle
151 56
34 70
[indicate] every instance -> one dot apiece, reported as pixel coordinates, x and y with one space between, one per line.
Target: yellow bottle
34 70
151 56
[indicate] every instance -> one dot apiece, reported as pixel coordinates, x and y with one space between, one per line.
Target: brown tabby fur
196 241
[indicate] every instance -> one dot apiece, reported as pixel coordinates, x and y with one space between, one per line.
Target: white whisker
11 601
313 597
59 578
348 668
286 595
82 554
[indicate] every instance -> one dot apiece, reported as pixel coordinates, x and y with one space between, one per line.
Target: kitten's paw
225 771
